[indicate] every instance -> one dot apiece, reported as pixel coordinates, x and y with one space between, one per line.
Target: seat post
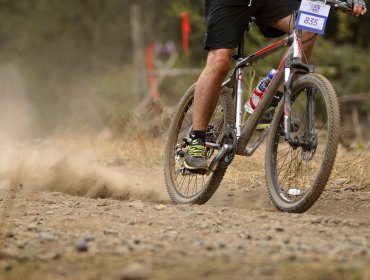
240 50
240 54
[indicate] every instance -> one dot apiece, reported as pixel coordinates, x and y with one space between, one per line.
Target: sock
198 134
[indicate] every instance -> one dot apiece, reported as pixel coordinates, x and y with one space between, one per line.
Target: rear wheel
183 186
296 176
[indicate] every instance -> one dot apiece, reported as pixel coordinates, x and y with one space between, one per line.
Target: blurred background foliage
74 57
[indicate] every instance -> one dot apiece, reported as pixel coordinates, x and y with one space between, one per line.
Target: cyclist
226 22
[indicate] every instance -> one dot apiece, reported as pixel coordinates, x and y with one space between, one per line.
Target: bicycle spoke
181 183
196 184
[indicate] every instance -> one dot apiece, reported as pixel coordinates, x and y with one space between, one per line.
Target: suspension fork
310 109
288 77
309 141
296 61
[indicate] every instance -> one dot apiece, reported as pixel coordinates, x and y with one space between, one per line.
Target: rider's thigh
285 24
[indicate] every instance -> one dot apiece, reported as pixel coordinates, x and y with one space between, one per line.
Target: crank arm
226 148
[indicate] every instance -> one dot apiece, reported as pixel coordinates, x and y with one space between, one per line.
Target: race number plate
312 16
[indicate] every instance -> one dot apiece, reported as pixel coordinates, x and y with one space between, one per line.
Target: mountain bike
301 141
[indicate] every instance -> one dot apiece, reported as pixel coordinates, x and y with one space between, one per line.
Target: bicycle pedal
187 172
192 172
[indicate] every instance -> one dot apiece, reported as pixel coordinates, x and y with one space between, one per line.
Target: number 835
311 21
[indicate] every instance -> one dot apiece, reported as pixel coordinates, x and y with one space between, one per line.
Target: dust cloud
51 166
89 163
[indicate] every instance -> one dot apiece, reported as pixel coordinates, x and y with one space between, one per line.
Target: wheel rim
297 170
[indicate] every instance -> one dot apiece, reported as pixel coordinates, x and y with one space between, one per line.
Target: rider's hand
358 7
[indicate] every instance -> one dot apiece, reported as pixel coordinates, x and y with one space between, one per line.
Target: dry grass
354 165
248 172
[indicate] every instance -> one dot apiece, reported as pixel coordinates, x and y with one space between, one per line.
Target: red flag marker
150 70
186 29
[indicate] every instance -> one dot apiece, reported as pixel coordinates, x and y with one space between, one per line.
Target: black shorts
228 19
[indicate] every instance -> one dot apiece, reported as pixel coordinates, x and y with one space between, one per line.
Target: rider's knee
219 61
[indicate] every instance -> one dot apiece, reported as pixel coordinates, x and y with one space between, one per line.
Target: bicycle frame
291 64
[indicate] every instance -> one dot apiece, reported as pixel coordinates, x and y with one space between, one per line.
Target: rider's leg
226 23
208 87
206 95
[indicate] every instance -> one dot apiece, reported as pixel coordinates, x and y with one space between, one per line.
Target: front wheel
296 176
183 186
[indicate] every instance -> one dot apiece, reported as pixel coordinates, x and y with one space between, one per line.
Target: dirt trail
87 211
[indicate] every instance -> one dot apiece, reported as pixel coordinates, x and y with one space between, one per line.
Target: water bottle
258 92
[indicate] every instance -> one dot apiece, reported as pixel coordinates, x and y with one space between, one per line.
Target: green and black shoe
195 156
